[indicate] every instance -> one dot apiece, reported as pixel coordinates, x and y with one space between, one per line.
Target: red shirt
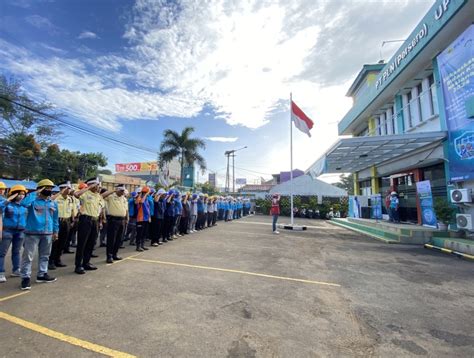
275 210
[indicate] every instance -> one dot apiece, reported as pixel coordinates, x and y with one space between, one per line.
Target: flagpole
291 161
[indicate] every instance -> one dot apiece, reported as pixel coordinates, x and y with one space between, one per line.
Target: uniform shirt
159 208
76 206
143 209
178 207
42 216
200 206
194 208
65 207
116 205
14 215
132 208
394 202
91 204
151 203
169 212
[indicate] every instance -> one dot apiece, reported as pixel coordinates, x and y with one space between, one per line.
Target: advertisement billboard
212 179
456 69
240 181
136 167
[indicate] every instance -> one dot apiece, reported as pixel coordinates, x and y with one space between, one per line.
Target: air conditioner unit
460 196
464 221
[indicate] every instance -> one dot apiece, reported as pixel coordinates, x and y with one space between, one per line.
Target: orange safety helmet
145 189
82 186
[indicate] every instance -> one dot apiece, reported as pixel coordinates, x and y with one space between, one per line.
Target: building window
420 94
392 121
433 96
409 110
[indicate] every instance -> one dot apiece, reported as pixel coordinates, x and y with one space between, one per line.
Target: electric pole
228 154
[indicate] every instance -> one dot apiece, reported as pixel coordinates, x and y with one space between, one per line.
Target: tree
19 156
206 188
181 146
104 171
347 183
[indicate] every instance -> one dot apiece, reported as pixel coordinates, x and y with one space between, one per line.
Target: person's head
145 190
20 190
161 193
82 186
3 187
65 188
45 188
393 194
93 184
133 194
120 189
170 192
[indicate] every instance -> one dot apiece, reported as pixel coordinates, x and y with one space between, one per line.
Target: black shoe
122 247
51 266
132 243
25 284
139 249
109 260
117 258
145 248
102 245
170 239
90 267
94 255
45 279
80 270
164 240
60 264
73 245
68 252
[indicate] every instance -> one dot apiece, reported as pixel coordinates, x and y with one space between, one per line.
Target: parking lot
237 290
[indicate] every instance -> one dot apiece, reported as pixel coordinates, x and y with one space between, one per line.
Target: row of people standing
46 222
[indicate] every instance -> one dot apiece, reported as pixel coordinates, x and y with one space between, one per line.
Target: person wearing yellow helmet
3 187
13 228
42 226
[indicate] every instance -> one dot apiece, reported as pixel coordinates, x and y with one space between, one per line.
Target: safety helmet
195 196
176 192
161 191
152 191
15 188
82 186
2 185
171 192
134 194
145 189
393 193
45 182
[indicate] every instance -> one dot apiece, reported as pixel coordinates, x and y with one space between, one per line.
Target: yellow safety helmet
18 187
45 182
206 195
2 185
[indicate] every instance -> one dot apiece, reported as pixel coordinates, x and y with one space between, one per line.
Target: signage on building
456 69
212 179
428 215
376 206
136 167
188 177
240 181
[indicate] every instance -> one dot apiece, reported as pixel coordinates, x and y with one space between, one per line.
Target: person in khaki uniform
117 217
66 209
88 227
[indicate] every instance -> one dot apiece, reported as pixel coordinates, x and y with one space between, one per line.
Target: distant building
284 176
150 171
258 191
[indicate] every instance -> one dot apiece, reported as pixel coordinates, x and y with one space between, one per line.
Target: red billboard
136 167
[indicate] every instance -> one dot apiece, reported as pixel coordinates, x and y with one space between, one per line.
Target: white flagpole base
292 227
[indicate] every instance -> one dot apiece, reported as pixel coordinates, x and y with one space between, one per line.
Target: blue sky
134 68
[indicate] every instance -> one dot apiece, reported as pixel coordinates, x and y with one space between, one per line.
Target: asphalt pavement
237 290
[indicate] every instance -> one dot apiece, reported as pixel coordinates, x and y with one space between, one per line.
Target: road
237 290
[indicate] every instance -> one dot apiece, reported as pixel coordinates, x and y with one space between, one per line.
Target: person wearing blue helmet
158 217
131 232
200 211
178 209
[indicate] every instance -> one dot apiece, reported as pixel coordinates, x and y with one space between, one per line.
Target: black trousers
214 218
72 237
183 225
156 229
168 227
209 218
58 245
115 228
87 232
142 227
199 221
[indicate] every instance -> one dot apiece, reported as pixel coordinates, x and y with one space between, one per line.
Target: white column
389 116
382 124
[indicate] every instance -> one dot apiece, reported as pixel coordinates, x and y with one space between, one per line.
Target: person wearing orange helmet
13 230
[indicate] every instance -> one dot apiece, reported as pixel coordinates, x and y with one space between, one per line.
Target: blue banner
456 69
428 215
376 206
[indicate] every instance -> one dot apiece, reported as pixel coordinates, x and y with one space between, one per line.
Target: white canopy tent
305 185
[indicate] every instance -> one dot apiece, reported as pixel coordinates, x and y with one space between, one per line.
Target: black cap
92 181
120 187
65 184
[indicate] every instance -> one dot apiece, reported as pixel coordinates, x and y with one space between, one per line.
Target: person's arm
107 193
80 192
28 200
55 221
170 198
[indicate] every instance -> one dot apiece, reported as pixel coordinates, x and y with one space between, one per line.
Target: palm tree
182 146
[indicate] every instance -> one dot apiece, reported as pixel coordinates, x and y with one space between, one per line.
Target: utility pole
228 154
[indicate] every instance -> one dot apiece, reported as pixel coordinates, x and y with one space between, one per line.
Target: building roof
256 187
362 75
305 185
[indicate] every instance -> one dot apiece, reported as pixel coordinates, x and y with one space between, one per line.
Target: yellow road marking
238 271
125 258
65 338
13 296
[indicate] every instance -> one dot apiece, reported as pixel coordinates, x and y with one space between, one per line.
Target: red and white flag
302 121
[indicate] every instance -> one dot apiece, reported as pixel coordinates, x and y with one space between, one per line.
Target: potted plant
444 213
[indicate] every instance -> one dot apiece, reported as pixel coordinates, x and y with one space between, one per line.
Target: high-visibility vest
275 210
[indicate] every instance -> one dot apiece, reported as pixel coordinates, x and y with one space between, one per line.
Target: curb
294 227
449 251
377 237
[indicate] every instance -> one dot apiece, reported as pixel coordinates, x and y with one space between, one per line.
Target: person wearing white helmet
394 207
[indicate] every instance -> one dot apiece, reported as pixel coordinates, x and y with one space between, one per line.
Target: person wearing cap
3 188
158 217
275 212
42 226
193 213
200 212
65 213
88 226
143 217
72 237
214 217
13 229
394 207
169 216
151 203
131 233
184 221
117 216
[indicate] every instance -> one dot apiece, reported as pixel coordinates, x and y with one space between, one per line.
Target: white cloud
87 35
222 139
240 58
41 22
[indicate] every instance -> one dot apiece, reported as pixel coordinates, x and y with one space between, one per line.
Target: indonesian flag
302 121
